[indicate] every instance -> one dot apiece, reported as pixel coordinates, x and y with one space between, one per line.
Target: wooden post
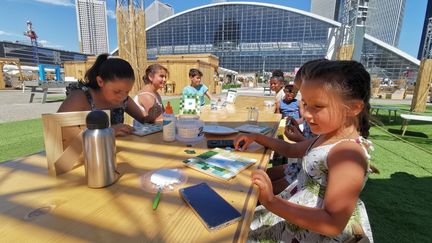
345 52
2 82
421 89
132 40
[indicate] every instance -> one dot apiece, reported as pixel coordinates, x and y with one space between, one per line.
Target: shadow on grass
396 210
407 133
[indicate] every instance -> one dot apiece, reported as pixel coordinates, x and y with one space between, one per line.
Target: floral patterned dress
308 190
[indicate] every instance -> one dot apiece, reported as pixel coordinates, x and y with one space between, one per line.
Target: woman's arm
347 166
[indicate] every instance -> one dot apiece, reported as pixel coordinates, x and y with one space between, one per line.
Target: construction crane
33 39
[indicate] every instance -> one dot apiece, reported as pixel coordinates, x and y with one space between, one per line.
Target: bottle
99 151
168 130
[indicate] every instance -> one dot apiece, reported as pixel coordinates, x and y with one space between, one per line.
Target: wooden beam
421 89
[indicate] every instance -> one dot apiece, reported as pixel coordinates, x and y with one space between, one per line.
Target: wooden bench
376 108
409 117
42 87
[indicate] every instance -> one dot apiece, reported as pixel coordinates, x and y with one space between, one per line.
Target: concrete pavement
15 106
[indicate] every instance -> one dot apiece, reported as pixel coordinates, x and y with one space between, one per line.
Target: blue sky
55 20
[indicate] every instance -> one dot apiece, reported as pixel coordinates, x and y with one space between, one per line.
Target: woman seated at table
106 87
148 99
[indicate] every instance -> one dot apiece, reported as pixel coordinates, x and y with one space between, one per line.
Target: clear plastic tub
189 130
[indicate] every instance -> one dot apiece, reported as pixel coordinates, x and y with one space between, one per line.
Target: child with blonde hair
323 204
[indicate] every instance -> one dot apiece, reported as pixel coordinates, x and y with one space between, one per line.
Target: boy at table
196 87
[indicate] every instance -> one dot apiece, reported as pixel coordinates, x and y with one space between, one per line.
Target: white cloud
8 33
66 3
4 33
111 14
46 43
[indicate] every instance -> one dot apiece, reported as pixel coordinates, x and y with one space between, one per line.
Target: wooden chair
359 235
63 140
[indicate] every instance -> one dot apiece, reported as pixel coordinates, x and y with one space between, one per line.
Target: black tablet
211 208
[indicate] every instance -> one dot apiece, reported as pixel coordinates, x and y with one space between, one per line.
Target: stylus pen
156 199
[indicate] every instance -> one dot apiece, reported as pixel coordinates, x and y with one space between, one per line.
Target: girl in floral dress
323 204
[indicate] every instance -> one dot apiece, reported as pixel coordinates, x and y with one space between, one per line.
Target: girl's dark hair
277 73
152 70
348 78
280 79
108 69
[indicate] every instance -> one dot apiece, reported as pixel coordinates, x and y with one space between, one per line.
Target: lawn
398 199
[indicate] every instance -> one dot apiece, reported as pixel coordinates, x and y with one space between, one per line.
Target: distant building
156 12
326 8
384 17
250 37
47 56
423 38
92 26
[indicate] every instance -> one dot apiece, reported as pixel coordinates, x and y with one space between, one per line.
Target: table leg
32 94
404 126
390 120
45 91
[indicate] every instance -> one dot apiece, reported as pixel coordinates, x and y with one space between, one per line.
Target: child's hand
122 129
261 179
292 131
243 141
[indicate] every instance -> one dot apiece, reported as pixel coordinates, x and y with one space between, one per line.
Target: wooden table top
37 207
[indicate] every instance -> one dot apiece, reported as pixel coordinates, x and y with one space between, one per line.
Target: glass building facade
254 37
46 56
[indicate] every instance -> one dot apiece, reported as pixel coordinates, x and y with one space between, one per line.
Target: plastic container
189 130
169 128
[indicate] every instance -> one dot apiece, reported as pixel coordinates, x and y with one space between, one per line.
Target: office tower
425 25
384 20
327 8
92 26
384 17
156 12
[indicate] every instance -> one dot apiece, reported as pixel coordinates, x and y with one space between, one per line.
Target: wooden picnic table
408 117
36 207
390 109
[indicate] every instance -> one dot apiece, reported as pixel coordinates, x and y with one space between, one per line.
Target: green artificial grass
20 138
398 200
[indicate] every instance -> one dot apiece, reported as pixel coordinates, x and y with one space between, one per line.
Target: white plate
221 130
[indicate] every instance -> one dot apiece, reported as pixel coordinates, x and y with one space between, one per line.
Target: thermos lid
97 119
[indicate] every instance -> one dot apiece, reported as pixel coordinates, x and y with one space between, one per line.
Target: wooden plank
421 89
64 209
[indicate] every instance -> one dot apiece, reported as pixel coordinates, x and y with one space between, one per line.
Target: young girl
148 99
106 87
323 204
277 83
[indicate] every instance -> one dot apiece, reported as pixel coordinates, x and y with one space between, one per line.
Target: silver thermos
99 151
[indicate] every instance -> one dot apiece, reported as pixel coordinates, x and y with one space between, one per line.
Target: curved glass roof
253 37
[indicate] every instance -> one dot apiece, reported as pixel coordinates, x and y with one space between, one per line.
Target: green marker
156 199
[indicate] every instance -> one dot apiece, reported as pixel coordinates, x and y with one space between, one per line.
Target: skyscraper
92 26
327 8
426 21
384 20
156 12
384 17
